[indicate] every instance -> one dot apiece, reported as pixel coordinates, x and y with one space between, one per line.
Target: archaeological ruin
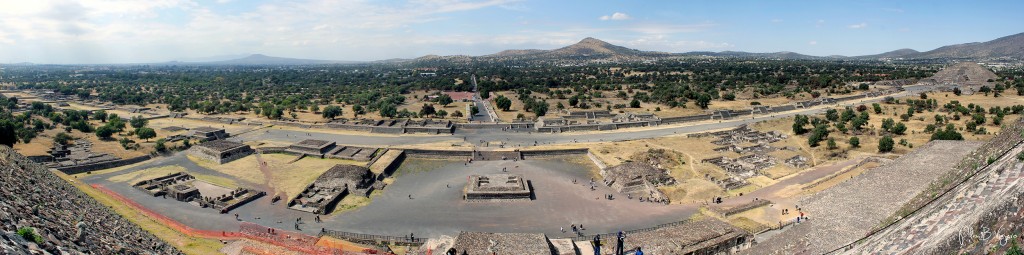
321 196
497 187
220 151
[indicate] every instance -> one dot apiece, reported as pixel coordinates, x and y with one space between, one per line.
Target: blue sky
136 31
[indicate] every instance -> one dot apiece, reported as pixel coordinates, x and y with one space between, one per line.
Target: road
524 138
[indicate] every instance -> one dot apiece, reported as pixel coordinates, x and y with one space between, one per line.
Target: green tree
540 108
444 100
160 146
331 112
854 142
427 109
798 124
138 122
62 138
832 144
634 104
8 135
877 107
505 104
949 133
358 110
457 114
105 132
899 128
145 133
441 113
388 111
819 133
703 100
885 144
100 115
832 115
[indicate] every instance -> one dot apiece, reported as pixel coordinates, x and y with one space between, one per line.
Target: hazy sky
96 31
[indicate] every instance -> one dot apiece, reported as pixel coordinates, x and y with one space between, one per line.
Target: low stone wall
102 165
442 154
558 152
672 120
272 150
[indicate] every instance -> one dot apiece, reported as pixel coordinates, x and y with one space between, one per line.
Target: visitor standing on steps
597 245
621 238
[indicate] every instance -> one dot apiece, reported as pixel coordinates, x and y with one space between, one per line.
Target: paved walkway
941 220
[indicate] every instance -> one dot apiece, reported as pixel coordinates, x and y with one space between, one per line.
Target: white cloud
616 16
819 23
859 26
813 43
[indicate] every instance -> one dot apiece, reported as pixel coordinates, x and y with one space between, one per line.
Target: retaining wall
102 165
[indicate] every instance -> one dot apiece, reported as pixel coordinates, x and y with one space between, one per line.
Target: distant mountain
260 59
900 53
742 54
1009 46
589 48
256 59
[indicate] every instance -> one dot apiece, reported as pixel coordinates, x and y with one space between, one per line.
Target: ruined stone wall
102 165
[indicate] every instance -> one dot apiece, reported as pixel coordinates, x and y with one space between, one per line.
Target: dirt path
266 177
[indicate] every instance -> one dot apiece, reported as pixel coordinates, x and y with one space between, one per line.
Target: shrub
30 234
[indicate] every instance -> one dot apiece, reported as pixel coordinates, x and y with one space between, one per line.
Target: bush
854 142
885 144
30 234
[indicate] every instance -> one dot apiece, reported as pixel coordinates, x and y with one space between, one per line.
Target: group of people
619 245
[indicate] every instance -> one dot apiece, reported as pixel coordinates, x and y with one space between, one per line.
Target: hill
1008 46
900 53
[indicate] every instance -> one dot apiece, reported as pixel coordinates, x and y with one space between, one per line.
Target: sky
147 31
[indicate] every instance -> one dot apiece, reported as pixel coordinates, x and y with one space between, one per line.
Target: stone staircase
936 221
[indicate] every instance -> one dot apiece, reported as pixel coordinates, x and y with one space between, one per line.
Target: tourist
597 244
561 229
621 238
638 251
410 196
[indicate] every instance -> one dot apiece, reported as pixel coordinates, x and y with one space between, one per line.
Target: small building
209 133
311 147
321 196
183 192
497 186
220 151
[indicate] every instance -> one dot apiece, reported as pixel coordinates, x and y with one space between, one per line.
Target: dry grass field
285 178
150 173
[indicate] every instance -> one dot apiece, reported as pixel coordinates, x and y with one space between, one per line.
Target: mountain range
593 49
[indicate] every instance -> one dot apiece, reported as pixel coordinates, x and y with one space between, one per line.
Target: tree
798 124
332 111
956 91
62 138
388 110
138 122
729 97
854 142
877 107
160 146
444 100
427 109
100 115
819 133
703 100
357 110
949 133
885 144
505 104
474 110
573 101
899 128
105 132
832 115
832 144
145 133
540 108
441 114
457 114
634 104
